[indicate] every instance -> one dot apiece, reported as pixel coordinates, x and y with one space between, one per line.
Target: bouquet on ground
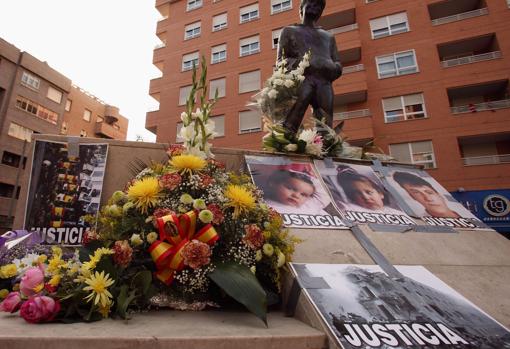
184 233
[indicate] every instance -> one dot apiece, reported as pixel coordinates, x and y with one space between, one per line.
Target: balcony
341 20
104 130
155 88
456 10
344 29
488 149
163 7
111 114
157 57
469 51
351 114
151 121
481 97
349 56
353 68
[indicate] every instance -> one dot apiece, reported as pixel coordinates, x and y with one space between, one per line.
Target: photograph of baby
294 190
425 196
360 195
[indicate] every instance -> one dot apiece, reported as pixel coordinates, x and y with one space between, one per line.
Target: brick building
34 98
426 81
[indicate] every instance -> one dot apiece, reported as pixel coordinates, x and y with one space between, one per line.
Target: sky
103 46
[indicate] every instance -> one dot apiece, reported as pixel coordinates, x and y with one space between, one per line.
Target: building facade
34 98
426 81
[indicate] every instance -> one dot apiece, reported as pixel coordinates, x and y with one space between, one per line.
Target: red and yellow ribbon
175 232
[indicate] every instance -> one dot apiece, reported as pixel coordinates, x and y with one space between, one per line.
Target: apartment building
34 98
426 81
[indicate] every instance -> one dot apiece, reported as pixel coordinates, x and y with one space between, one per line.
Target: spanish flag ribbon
175 232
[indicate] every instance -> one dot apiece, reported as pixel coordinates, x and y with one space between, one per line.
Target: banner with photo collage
359 194
429 200
63 189
293 188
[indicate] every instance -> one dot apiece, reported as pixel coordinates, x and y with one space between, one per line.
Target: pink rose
39 309
32 282
11 303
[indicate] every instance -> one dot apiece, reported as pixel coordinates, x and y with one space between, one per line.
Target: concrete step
165 329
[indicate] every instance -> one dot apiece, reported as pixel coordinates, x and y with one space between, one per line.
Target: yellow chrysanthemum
8 271
187 163
105 310
55 280
98 286
240 199
145 193
55 263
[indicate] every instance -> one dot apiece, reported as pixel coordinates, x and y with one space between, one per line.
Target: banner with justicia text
65 186
362 307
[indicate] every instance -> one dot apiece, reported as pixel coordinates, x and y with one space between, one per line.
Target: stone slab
165 329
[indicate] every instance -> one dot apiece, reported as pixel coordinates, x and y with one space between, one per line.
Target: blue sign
491 206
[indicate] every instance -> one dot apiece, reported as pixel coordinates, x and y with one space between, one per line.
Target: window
280 6
404 108
249 81
6 190
249 46
219 22
219 125
275 35
20 132
99 119
399 63
219 54
183 94
193 4
30 81
11 159
83 133
249 121
389 25
63 128
36 109
192 30
189 60
420 153
217 84
69 103
54 94
87 114
249 13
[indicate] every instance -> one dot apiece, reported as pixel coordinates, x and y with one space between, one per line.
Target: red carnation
122 253
205 181
89 236
170 181
253 238
175 149
196 254
218 216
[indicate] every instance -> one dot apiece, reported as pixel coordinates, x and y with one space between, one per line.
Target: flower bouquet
275 101
184 233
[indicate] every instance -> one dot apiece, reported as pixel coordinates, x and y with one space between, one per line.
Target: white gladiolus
291 147
184 116
272 94
314 148
278 82
307 136
187 132
289 83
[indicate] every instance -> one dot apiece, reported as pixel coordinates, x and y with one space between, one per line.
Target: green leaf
240 283
123 300
143 280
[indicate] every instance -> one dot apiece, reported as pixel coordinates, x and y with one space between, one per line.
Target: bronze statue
325 67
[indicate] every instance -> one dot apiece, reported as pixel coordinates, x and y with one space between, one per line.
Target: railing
461 16
353 68
351 114
472 108
471 59
345 28
486 160
160 46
